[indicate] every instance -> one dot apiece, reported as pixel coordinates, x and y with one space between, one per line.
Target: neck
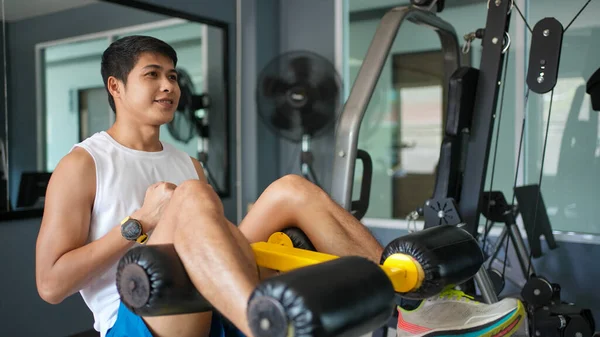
136 137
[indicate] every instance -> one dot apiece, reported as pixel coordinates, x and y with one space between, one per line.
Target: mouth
164 102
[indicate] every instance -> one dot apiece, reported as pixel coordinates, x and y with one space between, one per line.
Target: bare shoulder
72 182
76 158
199 168
75 168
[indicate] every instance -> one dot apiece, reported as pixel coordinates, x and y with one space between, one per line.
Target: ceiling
15 10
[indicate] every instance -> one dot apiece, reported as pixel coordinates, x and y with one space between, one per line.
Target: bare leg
218 259
295 201
217 256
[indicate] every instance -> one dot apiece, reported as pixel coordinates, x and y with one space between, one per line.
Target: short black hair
122 55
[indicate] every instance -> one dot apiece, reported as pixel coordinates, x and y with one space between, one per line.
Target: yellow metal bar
284 258
404 272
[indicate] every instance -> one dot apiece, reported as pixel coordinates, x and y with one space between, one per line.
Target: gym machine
346 146
471 102
315 294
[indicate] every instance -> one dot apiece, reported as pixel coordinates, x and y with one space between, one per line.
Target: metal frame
490 70
4 143
339 18
346 144
239 54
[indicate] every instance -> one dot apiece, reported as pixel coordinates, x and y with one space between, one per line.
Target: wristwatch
131 229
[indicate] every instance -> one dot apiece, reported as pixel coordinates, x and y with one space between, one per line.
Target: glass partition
403 125
570 179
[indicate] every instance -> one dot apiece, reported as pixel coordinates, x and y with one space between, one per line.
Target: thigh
198 324
186 325
242 241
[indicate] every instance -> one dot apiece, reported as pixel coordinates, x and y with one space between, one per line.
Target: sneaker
453 313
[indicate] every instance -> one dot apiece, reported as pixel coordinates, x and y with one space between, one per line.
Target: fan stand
306 161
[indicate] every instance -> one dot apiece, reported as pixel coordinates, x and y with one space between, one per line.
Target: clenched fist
156 200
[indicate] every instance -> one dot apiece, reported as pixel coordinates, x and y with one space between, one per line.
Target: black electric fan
189 122
298 96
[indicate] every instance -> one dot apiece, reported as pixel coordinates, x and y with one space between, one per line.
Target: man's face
152 92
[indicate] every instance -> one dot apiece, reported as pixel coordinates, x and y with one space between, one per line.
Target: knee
295 188
197 195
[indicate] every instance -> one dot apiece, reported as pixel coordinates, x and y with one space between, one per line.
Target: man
125 179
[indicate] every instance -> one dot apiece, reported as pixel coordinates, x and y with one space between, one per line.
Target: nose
168 85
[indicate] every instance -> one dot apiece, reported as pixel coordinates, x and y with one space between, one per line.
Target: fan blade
283 118
328 89
302 67
315 118
273 86
312 121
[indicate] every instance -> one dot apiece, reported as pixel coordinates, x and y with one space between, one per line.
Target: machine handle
360 206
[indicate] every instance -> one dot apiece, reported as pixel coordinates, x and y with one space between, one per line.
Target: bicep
67 208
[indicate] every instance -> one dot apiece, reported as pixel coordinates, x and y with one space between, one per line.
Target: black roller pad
152 281
449 255
299 239
348 296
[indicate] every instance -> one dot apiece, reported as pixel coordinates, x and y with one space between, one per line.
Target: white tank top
122 177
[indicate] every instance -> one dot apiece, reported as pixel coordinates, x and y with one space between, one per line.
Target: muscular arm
64 262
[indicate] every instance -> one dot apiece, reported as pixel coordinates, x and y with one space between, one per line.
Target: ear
115 87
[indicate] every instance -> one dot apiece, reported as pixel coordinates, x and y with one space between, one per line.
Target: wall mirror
56 98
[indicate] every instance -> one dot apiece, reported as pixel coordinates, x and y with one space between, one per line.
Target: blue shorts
129 324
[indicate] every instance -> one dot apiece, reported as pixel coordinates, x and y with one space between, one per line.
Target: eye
173 77
152 74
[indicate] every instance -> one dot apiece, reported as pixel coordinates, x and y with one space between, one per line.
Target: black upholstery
448 255
348 296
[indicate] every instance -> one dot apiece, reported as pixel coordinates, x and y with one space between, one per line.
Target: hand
155 201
